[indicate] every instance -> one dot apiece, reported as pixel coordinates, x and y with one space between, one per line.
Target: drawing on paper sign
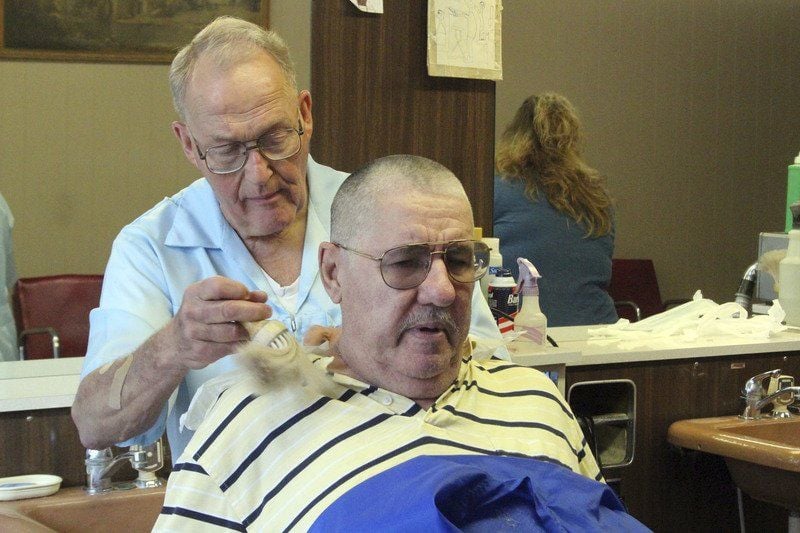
465 33
464 38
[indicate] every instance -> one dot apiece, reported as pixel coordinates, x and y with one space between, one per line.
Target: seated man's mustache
432 317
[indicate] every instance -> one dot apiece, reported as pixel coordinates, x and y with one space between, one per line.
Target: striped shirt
274 460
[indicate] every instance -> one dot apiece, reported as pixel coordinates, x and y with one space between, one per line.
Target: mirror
86 148
690 111
693 128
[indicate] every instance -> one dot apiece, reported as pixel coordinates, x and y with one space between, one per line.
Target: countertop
52 383
605 351
39 383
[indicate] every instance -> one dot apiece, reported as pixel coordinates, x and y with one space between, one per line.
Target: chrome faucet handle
753 409
100 464
782 402
147 460
754 388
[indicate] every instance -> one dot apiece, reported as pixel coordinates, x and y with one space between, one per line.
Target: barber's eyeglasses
231 157
406 267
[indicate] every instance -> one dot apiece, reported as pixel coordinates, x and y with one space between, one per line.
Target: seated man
403 428
183 276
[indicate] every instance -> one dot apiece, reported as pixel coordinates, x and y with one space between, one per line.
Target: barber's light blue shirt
184 239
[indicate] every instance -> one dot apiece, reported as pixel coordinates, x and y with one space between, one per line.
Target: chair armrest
628 303
56 342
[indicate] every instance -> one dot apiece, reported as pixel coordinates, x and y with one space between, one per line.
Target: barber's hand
208 325
317 335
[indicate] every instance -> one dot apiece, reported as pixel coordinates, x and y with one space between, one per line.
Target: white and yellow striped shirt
275 461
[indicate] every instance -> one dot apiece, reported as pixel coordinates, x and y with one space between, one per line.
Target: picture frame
115 31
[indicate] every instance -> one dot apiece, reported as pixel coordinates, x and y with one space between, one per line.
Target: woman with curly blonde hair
554 209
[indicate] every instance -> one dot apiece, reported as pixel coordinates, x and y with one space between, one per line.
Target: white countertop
39 383
606 351
52 383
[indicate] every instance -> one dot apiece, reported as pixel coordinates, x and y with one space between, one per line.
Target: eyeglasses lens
280 145
231 157
408 266
462 262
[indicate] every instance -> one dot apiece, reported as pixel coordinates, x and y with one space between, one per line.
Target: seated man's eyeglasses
231 157
407 266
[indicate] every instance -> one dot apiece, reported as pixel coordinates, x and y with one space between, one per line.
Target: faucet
101 464
756 398
744 295
754 388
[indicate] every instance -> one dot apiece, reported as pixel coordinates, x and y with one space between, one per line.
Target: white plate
33 486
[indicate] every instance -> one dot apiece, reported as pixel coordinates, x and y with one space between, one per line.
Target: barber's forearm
114 404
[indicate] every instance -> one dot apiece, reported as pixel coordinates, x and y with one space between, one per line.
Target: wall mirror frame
129 31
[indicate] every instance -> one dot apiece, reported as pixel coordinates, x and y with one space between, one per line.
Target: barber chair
634 289
52 314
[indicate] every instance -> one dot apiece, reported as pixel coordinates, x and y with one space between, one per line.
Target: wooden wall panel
372 97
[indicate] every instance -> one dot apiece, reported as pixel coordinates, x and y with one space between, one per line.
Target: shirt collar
198 220
399 404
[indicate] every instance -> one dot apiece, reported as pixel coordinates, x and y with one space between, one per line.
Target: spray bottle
530 320
789 273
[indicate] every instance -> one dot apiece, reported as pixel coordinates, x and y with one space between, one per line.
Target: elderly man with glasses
402 430
237 245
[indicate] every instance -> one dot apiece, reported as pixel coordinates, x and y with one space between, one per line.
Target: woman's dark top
575 269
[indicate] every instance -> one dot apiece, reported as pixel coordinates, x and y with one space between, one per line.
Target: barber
237 245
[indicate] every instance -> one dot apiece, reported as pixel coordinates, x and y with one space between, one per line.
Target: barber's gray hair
227 40
353 206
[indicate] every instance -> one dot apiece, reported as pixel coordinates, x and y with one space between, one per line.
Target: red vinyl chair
52 314
634 289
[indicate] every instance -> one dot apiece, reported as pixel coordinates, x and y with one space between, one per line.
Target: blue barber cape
478 493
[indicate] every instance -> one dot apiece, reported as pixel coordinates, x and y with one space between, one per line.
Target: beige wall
689 107
86 148
691 110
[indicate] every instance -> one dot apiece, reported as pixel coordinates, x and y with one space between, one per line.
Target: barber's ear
304 103
182 133
329 271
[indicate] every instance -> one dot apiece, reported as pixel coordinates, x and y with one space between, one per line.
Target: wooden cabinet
46 442
672 489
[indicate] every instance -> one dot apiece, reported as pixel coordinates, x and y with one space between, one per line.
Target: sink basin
763 455
72 510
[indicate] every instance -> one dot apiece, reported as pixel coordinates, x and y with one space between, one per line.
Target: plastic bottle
503 297
495 264
792 190
530 320
789 273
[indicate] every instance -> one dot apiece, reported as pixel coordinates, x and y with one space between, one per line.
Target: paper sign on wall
369 6
465 38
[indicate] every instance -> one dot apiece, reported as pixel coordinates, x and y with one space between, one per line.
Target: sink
763 456
72 510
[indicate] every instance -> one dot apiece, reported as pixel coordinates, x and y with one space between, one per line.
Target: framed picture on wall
138 31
